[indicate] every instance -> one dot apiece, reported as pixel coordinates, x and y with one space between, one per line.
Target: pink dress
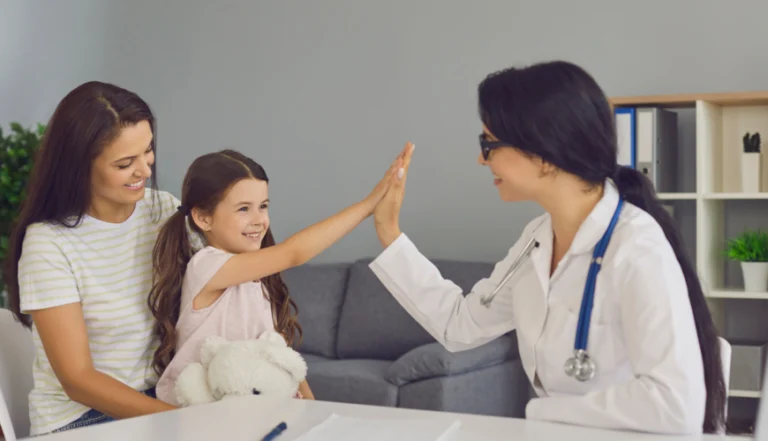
241 312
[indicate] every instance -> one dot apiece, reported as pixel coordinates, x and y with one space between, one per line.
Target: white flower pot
755 276
750 172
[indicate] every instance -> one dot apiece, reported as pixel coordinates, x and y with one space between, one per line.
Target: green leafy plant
750 246
751 143
17 151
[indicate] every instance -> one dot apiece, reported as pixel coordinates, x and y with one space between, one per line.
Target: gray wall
324 93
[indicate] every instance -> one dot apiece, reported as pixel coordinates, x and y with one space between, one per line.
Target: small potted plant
750 249
17 150
750 163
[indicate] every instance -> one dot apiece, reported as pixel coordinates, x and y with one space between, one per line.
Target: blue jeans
95 417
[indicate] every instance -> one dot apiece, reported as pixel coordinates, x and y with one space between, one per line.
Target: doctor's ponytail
557 112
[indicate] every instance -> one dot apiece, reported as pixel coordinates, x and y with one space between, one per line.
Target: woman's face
517 176
120 173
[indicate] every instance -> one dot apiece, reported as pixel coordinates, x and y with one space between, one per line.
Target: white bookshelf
709 204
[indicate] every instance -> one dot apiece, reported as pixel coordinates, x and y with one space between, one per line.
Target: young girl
232 287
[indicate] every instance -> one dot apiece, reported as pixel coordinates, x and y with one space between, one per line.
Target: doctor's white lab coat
642 335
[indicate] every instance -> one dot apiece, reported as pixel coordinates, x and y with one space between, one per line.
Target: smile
253 236
136 185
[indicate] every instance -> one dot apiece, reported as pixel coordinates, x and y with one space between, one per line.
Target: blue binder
625 132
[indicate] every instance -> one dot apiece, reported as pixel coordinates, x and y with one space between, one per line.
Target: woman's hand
392 175
386 215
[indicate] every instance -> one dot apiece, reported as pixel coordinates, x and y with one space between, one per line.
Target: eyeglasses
486 146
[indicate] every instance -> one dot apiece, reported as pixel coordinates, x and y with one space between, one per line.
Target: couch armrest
433 360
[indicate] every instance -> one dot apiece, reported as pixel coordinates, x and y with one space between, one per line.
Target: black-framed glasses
486 146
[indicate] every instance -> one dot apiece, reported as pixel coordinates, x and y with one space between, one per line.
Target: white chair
725 360
17 353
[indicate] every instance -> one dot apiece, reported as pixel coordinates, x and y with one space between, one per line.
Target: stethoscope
580 365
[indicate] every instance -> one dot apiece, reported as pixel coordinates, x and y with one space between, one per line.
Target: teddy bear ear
290 360
210 347
273 337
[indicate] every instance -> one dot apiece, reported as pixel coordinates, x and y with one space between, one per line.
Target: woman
548 136
79 261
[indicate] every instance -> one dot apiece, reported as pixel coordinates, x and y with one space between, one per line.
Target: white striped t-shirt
106 267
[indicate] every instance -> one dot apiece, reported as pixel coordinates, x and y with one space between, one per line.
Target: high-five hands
394 175
386 215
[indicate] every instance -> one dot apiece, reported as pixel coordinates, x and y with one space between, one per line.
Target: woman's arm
65 340
457 322
49 293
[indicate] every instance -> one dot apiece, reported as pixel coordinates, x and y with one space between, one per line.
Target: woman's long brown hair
205 185
86 120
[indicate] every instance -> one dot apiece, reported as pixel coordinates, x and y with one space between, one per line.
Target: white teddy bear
244 367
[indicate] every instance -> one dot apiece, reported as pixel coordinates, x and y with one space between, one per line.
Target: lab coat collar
590 232
595 225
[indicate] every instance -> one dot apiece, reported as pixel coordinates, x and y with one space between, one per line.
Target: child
232 287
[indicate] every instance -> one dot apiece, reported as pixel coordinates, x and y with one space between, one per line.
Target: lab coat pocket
605 347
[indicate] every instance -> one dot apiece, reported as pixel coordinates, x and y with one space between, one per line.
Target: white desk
249 418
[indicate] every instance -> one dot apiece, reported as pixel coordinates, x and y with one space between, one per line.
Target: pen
275 432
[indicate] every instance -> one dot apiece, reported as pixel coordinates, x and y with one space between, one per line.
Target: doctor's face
516 175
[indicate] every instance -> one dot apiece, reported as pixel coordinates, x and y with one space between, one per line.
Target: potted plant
750 249
750 163
17 150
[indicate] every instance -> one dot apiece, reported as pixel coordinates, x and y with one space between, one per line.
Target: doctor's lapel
541 257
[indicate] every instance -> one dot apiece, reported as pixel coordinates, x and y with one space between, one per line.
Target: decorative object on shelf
17 150
751 250
750 163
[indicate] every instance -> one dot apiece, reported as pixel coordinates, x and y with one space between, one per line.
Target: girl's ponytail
170 257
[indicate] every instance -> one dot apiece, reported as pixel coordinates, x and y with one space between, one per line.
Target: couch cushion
433 360
318 291
351 381
374 325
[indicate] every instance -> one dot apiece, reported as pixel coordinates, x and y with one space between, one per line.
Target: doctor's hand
386 215
392 175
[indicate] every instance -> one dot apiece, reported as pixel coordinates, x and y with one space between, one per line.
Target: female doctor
611 321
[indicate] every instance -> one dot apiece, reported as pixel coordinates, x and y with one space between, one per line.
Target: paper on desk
343 428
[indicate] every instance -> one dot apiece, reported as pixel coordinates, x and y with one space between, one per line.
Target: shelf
688 99
743 393
736 196
676 196
736 294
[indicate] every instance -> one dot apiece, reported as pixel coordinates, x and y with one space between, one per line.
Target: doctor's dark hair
556 111
206 183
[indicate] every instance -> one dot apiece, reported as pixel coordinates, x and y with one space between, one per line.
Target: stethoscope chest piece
580 366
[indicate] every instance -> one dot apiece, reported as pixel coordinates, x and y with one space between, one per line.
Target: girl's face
120 172
240 220
516 175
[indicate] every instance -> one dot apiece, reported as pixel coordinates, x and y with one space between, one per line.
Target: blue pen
275 432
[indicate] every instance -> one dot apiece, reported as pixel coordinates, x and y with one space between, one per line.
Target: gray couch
362 347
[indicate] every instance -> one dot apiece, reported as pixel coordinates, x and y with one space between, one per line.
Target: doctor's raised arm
611 321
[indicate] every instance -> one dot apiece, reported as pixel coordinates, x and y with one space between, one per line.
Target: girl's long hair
205 185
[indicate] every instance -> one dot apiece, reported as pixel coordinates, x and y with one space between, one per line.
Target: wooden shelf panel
677 196
735 196
736 294
743 393
689 99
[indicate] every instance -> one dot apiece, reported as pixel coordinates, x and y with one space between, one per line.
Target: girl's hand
392 175
387 212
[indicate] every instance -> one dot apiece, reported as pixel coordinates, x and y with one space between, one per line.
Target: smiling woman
80 263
